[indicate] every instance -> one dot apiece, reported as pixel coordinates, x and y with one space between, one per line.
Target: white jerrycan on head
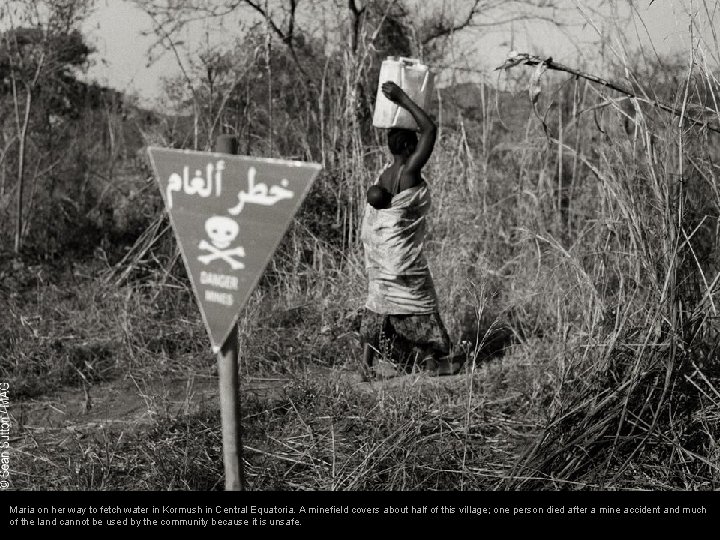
415 79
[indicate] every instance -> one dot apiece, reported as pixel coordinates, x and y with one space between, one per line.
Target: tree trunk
21 165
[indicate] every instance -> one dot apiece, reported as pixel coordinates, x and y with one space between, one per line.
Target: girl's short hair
401 140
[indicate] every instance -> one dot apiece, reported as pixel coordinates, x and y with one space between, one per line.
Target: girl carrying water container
401 320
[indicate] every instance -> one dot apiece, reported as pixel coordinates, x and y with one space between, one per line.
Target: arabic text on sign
197 185
260 193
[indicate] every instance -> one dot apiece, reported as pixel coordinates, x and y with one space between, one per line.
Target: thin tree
31 55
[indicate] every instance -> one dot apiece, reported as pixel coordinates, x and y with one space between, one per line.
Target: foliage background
573 242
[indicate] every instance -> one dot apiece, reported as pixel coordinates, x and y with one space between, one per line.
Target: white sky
121 61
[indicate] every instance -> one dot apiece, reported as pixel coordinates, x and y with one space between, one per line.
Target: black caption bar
31 511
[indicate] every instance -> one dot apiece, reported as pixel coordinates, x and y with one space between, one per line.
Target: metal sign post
227 359
229 213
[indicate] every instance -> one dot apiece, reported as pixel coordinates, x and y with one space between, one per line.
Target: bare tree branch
172 17
442 30
357 13
285 37
291 22
530 60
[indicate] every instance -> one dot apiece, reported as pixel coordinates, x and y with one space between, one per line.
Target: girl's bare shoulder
386 178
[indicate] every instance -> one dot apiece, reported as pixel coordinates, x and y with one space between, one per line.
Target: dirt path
139 402
121 401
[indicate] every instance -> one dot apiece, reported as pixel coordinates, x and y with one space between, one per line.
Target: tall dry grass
588 249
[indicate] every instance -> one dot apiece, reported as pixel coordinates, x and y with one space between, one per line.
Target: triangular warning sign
229 214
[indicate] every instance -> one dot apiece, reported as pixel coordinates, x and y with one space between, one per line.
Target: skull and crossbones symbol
222 231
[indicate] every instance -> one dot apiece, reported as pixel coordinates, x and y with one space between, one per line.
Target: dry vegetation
585 248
